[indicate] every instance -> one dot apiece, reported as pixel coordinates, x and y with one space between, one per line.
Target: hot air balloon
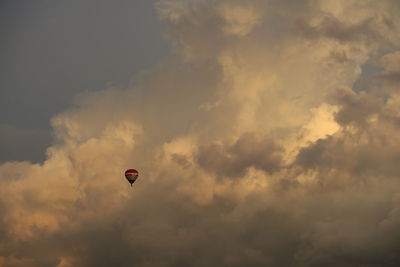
131 175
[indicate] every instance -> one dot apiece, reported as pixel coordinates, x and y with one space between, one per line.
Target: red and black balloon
131 175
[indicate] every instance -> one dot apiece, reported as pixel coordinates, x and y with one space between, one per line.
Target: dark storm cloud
247 151
391 65
390 77
331 27
357 108
339 56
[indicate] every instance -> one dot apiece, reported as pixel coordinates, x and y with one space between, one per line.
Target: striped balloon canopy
131 175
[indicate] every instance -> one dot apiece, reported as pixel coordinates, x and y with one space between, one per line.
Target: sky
265 133
53 50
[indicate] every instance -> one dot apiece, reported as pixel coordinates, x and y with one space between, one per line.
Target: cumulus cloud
391 74
253 148
247 151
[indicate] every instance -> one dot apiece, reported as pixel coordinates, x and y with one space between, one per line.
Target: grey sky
52 50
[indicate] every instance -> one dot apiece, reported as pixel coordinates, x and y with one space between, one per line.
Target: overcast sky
53 50
265 133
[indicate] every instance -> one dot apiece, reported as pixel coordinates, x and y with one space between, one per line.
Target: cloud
253 149
233 160
331 27
391 63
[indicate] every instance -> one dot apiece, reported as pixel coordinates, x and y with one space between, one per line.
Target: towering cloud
254 145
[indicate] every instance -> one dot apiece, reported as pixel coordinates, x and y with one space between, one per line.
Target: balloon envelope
131 175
